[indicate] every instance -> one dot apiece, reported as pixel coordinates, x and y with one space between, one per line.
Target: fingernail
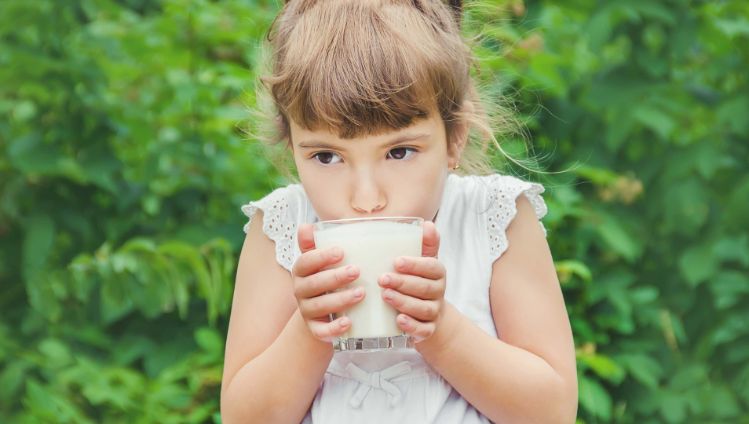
387 295
386 279
402 320
399 262
344 322
336 253
358 292
351 271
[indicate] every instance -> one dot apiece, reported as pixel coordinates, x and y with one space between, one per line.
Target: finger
430 241
420 331
315 260
305 237
330 303
423 310
426 267
324 281
327 331
413 285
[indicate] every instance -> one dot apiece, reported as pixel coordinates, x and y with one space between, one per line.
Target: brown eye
327 158
401 153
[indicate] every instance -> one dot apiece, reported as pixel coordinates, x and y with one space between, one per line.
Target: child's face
397 173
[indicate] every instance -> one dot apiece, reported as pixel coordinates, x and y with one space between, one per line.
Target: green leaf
689 376
711 158
655 119
209 340
179 347
599 176
131 348
568 268
594 398
603 366
731 329
686 206
729 113
736 210
655 11
37 244
32 156
729 288
733 249
116 301
734 27
642 368
113 388
190 256
643 295
698 264
673 408
47 405
57 354
619 238
11 380
722 402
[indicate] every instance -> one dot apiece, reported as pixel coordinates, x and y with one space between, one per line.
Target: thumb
430 243
305 237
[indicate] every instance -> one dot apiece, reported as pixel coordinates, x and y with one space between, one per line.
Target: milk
372 246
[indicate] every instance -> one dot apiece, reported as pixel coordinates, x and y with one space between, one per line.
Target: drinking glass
372 245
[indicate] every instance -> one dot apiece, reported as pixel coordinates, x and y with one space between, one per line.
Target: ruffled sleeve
283 210
500 195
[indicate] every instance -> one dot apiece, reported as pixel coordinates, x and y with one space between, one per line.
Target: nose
367 194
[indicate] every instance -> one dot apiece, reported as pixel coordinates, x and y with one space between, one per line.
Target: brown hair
360 67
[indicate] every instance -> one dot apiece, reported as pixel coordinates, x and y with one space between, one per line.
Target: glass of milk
371 244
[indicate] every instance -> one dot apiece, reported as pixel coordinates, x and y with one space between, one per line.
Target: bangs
359 68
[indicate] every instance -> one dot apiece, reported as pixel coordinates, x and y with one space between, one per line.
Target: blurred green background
123 165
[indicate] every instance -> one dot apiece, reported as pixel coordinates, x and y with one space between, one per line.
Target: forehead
431 125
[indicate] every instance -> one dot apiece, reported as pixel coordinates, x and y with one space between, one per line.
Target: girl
375 104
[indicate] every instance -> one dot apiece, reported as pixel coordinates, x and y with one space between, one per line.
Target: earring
457 165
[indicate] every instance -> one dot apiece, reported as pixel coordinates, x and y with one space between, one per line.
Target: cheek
324 193
421 193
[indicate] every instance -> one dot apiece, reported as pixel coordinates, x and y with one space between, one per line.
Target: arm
277 347
529 375
273 365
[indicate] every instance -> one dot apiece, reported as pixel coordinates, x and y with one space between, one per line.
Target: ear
460 135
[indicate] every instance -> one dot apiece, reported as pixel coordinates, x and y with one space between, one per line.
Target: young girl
375 104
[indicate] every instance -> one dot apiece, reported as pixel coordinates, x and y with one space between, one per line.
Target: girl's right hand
316 287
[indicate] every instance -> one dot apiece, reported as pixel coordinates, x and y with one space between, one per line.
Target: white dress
398 386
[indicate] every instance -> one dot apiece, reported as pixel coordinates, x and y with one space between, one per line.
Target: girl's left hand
417 288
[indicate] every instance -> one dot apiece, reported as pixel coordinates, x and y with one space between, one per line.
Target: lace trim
502 193
278 225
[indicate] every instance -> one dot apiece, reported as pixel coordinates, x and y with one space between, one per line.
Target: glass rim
367 219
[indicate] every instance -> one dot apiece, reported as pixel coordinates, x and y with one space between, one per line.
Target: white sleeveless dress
399 386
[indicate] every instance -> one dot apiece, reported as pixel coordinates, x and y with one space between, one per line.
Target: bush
123 167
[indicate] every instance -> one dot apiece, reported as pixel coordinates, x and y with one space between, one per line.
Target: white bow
378 380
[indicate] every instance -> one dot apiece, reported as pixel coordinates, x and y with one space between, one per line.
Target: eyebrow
315 144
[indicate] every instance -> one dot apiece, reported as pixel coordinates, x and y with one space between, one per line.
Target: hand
316 287
417 288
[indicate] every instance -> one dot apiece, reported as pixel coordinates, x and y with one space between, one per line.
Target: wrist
447 330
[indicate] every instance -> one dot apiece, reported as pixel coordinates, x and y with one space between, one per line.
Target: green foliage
123 166
644 104
122 169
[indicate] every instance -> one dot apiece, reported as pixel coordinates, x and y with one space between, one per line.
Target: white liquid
372 246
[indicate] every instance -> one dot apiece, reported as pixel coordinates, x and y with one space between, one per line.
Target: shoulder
282 212
496 188
499 199
277 203
504 190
